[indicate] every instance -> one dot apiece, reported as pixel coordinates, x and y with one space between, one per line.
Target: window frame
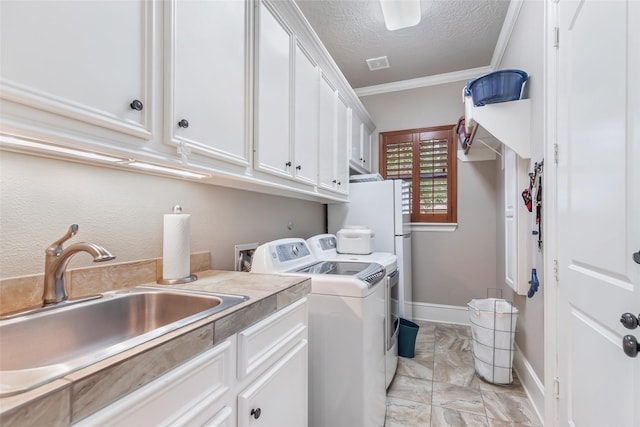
414 135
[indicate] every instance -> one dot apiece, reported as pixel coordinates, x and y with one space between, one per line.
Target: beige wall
525 52
452 268
123 211
449 268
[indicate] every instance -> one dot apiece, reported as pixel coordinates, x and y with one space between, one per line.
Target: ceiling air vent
378 63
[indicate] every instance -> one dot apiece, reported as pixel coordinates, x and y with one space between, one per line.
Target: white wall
448 267
123 211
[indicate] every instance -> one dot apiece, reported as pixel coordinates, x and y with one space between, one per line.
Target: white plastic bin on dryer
493 327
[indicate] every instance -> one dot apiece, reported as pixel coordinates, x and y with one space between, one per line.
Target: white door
598 211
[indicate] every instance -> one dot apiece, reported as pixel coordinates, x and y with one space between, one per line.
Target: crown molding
501 45
438 79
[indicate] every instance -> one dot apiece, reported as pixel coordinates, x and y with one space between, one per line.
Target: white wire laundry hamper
493 327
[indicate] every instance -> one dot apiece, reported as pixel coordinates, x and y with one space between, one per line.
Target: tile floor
438 387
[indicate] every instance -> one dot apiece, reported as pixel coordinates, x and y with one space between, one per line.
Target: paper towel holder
177 209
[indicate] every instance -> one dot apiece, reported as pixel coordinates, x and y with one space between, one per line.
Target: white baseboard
459 315
531 383
440 313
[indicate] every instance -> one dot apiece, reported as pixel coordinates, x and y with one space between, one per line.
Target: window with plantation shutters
426 159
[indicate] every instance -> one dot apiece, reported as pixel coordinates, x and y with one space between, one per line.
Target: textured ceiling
453 35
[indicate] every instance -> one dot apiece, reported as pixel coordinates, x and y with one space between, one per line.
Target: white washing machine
346 324
323 246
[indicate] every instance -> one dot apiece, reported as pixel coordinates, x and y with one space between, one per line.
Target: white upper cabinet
307 79
343 141
360 159
273 93
356 141
207 77
367 135
90 62
334 139
327 134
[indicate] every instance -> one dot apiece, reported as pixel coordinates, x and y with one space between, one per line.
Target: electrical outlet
243 255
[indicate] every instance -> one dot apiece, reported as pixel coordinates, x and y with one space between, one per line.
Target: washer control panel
292 250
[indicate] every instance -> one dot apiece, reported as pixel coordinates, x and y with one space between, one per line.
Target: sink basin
40 347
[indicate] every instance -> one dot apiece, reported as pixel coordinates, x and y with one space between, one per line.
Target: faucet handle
57 245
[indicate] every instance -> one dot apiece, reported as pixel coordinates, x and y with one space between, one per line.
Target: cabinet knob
339 183
335 181
629 321
299 167
630 345
136 105
256 413
183 124
288 164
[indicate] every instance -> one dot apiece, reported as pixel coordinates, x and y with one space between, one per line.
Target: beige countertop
75 396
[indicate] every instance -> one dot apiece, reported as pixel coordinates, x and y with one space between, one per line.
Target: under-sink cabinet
191 394
256 377
74 75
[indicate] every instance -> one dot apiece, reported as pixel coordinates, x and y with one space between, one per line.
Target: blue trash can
407 338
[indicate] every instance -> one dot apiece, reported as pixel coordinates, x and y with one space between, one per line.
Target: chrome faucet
56 261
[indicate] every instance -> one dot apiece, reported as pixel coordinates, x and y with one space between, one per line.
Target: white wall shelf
509 122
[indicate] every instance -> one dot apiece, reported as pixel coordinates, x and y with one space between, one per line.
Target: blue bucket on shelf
499 86
407 338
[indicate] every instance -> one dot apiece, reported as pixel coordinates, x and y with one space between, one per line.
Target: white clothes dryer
323 246
346 324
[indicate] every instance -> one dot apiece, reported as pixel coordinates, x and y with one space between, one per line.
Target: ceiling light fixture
400 13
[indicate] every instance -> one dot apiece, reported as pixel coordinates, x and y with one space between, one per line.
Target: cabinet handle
183 124
136 105
335 181
256 413
339 183
288 164
299 167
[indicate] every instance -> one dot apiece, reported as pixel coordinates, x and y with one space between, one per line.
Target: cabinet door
356 140
280 396
343 141
207 77
366 147
326 134
68 58
306 117
190 394
273 61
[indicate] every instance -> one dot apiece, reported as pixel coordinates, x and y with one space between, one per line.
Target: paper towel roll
176 246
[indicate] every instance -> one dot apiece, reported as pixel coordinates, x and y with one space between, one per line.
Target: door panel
597 213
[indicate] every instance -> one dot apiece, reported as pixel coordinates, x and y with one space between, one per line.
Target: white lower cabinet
278 397
191 394
257 377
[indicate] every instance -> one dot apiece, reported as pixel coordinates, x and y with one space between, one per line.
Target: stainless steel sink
40 347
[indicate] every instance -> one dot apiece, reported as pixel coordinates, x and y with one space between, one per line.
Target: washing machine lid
323 247
368 272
